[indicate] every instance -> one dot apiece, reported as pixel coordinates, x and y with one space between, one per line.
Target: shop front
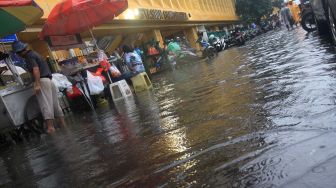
157 29
154 19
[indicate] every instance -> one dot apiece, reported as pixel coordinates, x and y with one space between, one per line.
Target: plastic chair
120 90
141 82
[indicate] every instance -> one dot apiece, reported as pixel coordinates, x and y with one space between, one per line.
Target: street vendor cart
18 106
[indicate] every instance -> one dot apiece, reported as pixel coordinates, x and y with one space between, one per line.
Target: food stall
17 102
70 18
18 105
75 59
19 110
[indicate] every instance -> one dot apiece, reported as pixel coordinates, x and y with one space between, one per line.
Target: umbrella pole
108 75
93 37
86 93
53 59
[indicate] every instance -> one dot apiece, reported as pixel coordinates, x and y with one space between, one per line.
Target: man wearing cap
44 88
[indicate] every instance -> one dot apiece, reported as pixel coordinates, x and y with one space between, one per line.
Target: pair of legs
289 27
49 104
50 124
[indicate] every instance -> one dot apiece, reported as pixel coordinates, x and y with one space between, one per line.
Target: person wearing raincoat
295 10
174 50
212 39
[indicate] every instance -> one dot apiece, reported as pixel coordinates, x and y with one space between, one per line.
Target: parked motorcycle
219 44
223 43
208 51
239 39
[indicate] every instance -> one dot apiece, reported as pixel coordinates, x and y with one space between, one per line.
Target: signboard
154 14
65 42
9 39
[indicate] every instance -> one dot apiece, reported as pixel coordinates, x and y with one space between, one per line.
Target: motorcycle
308 20
219 44
248 35
208 50
239 39
228 41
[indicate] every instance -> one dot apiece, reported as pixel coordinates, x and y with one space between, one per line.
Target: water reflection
261 115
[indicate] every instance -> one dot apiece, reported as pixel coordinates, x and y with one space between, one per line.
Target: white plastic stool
120 90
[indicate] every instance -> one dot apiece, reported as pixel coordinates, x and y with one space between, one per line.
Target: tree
253 10
277 3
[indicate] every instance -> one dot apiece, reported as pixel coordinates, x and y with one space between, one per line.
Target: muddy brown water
261 115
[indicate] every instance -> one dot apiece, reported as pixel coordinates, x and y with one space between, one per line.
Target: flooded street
261 115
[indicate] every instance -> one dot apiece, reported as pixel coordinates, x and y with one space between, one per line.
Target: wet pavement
262 115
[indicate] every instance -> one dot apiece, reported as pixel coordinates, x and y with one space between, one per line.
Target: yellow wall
209 10
46 5
202 12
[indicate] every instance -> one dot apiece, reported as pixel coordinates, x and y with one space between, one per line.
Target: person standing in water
295 11
286 16
45 89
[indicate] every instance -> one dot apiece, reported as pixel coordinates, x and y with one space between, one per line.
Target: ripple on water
256 116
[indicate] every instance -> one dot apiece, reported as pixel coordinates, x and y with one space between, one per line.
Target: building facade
156 19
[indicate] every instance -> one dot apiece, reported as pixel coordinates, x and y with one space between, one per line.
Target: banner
65 42
154 14
9 39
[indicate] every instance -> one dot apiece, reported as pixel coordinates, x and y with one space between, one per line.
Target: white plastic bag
61 81
95 84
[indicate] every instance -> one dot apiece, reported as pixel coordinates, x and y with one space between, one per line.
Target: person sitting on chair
133 61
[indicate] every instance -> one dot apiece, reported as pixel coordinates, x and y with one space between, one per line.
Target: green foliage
277 3
253 10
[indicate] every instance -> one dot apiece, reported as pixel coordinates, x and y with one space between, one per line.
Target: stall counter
13 105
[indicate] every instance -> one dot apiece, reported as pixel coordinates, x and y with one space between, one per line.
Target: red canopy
76 16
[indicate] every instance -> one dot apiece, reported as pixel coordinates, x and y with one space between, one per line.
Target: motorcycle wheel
215 53
211 53
308 22
243 41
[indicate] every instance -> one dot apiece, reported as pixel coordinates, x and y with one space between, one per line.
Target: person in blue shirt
133 61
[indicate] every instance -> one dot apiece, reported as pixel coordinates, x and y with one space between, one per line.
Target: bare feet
51 130
61 122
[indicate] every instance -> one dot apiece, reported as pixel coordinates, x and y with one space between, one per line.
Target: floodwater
262 115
